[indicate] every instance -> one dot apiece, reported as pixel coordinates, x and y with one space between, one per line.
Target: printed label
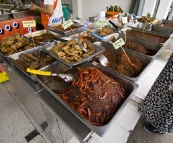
119 43
102 22
124 19
29 23
67 24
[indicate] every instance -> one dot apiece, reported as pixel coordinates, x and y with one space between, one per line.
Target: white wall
87 8
163 9
149 7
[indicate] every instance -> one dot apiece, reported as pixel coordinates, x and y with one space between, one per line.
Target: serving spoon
66 77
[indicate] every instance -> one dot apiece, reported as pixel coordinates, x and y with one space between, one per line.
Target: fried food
71 52
15 44
35 60
105 31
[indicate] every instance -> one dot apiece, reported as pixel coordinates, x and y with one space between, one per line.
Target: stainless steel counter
53 107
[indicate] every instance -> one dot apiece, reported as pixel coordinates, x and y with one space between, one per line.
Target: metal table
53 110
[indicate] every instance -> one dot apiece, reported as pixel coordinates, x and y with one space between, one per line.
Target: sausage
23 61
25 58
32 57
18 64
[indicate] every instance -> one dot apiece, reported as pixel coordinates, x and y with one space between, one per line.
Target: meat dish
94 95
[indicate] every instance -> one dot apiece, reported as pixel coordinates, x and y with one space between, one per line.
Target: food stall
65 71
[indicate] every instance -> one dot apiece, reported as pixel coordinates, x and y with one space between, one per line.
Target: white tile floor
16 122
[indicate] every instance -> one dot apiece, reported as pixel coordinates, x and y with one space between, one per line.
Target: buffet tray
146 61
147 44
1 54
64 33
97 48
168 37
16 56
39 33
30 51
154 28
5 16
83 33
160 21
59 67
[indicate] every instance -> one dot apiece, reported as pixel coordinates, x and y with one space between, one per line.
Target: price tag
102 22
67 24
29 23
124 19
119 43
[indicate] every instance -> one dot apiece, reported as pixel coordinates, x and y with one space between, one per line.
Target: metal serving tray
5 16
147 44
16 56
146 61
153 33
82 33
1 54
65 33
30 51
154 28
98 50
39 33
161 21
59 67
21 14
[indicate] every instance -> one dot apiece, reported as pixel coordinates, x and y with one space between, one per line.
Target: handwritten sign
67 24
102 22
124 19
119 43
29 23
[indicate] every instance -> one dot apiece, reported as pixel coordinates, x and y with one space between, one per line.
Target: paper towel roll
101 15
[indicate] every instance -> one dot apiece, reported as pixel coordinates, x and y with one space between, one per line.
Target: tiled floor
16 122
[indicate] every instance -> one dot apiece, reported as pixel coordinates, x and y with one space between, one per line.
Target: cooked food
105 31
67 29
120 63
144 19
147 36
167 24
35 60
14 44
94 95
43 37
71 51
87 37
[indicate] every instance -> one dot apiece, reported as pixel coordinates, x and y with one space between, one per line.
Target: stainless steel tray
5 16
38 33
98 50
147 44
65 33
1 54
153 33
16 56
146 61
23 14
160 21
154 28
83 33
30 51
128 85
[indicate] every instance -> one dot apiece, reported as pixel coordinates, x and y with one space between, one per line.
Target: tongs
15 5
66 77
82 47
113 24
